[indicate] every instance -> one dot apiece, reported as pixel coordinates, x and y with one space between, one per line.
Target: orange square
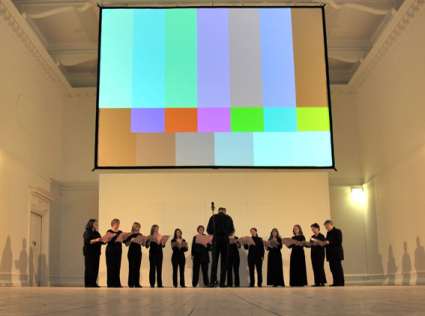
181 120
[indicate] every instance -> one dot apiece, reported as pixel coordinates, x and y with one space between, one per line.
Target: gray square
194 149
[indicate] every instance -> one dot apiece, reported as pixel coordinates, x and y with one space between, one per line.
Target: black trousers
200 265
134 262
255 265
113 267
155 269
178 268
220 250
318 263
91 269
337 272
233 270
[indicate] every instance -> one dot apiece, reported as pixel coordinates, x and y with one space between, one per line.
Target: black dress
134 256
318 261
155 263
91 258
298 272
275 265
178 260
255 261
113 260
233 264
201 259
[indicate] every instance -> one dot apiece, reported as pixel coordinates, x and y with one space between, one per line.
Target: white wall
30 147
391 122
264 199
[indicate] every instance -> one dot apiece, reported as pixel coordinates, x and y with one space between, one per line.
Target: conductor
221 227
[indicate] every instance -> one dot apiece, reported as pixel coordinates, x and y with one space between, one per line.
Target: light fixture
358 195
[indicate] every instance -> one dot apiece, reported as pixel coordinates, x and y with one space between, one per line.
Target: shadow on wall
21 264
419 262
406 266
391 267
6 264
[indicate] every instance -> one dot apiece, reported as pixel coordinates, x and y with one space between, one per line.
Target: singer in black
91 251
113 255
134 256
233 262
274 260
221 227
155 257
335 253
297 271
178 259
255 258
200 258
318 256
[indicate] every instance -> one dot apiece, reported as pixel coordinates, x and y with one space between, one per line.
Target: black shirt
91 249
334 250
221 225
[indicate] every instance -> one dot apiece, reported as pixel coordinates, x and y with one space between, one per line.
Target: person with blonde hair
134 256
113 254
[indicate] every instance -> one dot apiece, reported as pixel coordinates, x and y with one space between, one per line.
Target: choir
224 245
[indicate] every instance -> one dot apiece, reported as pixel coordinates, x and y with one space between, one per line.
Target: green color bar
313 119
181 58
247 119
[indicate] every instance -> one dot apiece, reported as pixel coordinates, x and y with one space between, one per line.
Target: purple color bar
213 58
147 120
214 120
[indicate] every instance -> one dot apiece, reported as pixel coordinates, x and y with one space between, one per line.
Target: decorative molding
24 32
354 6
396 26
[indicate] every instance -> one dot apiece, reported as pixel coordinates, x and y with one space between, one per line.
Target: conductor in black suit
334 253
221 227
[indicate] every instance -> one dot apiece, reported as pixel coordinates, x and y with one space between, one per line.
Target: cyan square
280 119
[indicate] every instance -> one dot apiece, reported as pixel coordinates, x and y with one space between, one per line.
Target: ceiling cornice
23 31
396 26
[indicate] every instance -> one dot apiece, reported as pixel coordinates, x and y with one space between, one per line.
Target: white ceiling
68 30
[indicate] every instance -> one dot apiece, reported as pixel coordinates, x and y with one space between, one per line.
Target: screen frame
328 92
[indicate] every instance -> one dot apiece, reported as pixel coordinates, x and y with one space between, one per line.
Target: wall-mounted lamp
358 195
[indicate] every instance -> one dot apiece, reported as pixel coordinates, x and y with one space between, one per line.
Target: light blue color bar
277 58
297 149
116 59
233 149
149 58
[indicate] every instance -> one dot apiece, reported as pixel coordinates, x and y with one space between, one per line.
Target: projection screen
213 87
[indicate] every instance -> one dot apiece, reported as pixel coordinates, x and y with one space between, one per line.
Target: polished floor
366 300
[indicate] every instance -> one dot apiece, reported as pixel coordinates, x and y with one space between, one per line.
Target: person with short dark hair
134 256
255 258
178 258
91 251
335 253
297 271
317 255
221 227
274 260
200 258
113 255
